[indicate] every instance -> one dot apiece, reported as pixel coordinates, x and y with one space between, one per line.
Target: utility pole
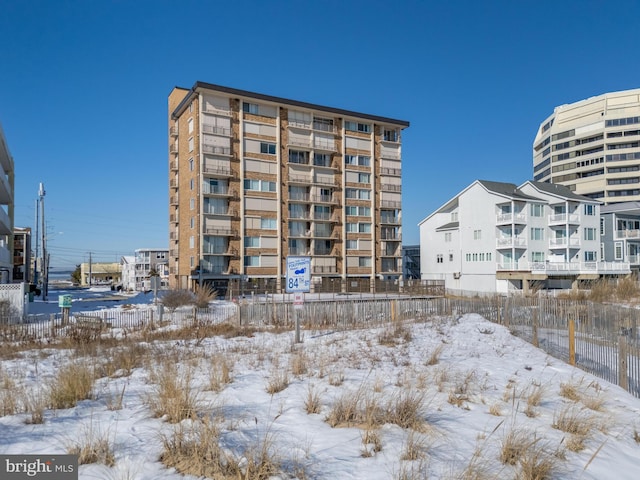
90 266
35 261
44 264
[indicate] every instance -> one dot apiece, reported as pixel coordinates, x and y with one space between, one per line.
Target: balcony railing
173 200
299 197
173 131
173 164
322 215
324 269
327 146
395 172
390 154
564 268
518 217
209 189
299 251
390 204
627 234
390 236
564 242
564 218
211 109
173 183
214 130
322 199
634 259
214 149
300 179
305 125
219 232
323 127
173 148
322 251
218 210
507 242
219 171
300 215
390 219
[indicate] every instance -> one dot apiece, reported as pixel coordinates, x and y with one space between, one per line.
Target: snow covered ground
476 386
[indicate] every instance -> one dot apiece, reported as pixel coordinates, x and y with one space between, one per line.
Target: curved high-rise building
592 147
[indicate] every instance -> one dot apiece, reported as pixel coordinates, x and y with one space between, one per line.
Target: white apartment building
6 210
592 147
497 237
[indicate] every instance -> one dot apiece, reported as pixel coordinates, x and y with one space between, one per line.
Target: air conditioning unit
456 275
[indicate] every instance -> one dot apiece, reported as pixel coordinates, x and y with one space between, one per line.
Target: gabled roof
630 208
509 190
559 191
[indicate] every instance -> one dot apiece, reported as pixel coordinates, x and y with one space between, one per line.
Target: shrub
173 299
74 382
204 294
173 396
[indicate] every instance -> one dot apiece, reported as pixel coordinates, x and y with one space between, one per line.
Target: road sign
298 274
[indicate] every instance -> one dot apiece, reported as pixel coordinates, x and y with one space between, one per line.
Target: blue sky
84 86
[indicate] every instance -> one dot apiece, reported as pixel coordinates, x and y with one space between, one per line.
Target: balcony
508 218
227 252
216 150
300 233
174 253
208 108
224 211
303 179
511 242
390 204
300 142
173 148
173 183
173 165
620 234
394 172
326 269
324 181
213 130
173 200
323 199
300 251
173 131
634 259
564 242
296 124
394 236
326 146
299 197
321 252
565 268
390 220
563 218
326 216
217 171
321 233
217 190
324 127
219 232
173 236
173 218
300 215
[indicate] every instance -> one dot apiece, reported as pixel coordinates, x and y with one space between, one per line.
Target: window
250 108
589 209
618 250
590 256
358 194
191 184
296 156
364 227
191 262
352 227
159 255
451 257
390 135
601 226
251 261
357 127
454 216
321 159
191 107
268 223
439 258
481 257
259 185
468 257
477 234
252 242
361 160
192 241
352 244
325 124
268 148
190 125
358 211
191 144
192 222
489 257
537 233
192 203
589 233
447 237
191 164
364 261
537 256
537 210
364 178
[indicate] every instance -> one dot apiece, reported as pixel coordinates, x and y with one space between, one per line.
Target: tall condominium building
254 179
593 147
7 173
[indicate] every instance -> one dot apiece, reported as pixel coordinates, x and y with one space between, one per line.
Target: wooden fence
601 339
